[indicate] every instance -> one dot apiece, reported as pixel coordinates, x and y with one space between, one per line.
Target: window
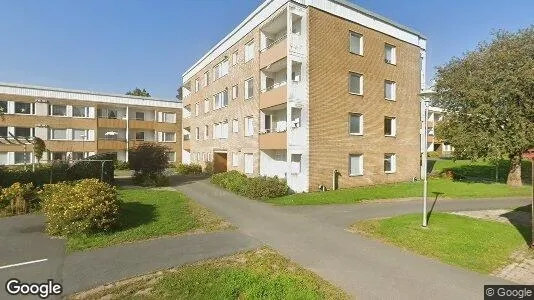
58 134
139 115
390 163
206 78
80 111
79 134
197 85
295 117
249 88
23 108
23 132
295 163
390 88
235 126
390 54
171 156
355 84
58 110
267 122
197 109
249 51
22 157
140 136
235 159
249 163
220 69
168 117
206 105
356 43
249 126
234 58
3 131
355 164
235 91
3 158
107 113
197 133
356 124
206 132
220 99
220 130
390 126
78 155
3 107
169 136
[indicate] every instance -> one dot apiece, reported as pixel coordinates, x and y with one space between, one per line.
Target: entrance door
220 162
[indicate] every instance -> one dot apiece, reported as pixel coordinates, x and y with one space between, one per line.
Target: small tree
138 92
39 148
489 98
148 158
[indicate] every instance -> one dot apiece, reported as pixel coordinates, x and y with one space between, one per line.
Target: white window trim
361 83
361 165
393 163
251 42
393 54
246 85
361 124
56 139
360 51
393 126
393 92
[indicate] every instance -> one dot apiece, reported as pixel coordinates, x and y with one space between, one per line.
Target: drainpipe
334 173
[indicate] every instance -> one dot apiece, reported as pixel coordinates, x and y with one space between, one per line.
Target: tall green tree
138 92
488 95
39 148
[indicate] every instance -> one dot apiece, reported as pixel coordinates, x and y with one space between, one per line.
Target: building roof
264 11
59 93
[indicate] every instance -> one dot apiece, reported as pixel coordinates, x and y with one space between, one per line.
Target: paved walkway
367 269
23 240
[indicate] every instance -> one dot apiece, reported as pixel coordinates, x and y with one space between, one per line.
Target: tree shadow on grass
477 173
521 218
135 214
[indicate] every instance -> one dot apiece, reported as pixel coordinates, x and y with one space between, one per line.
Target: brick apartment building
302 88
75 124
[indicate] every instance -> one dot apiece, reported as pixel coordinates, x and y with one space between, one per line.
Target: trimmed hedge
60 171
85 206
261 187
189 169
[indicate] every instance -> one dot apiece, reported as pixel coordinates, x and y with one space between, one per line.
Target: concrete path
22 240
365 268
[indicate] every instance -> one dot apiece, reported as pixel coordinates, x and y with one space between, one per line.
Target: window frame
246 88
361 124
32 109
235 91
248 44
361 170
393 126
248 128
360 51
52 130
393 61
392 163
393 92
361 83
51 112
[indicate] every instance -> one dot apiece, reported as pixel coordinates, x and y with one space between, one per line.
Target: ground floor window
390 162
3 158
171 156
235 159
355 164
249 163
296 163
22 157
79 155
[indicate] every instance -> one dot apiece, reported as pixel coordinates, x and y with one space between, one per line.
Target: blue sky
114 46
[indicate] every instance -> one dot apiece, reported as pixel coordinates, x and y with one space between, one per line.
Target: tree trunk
514 175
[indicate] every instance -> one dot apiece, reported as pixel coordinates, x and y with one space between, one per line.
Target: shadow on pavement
521 219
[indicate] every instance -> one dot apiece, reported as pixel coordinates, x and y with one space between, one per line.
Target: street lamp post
425 98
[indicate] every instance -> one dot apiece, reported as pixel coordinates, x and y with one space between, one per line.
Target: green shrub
254 187
265 187
85 206
121 165
208 169
156 179
433 154
19 198
189 169
148 158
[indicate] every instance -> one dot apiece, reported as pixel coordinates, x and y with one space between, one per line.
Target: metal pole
25 157
425 163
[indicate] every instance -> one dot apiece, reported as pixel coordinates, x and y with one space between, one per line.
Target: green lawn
445 188
260 274
479 245
480 170
149 213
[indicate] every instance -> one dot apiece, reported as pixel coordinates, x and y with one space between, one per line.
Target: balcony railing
271 44
273 86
